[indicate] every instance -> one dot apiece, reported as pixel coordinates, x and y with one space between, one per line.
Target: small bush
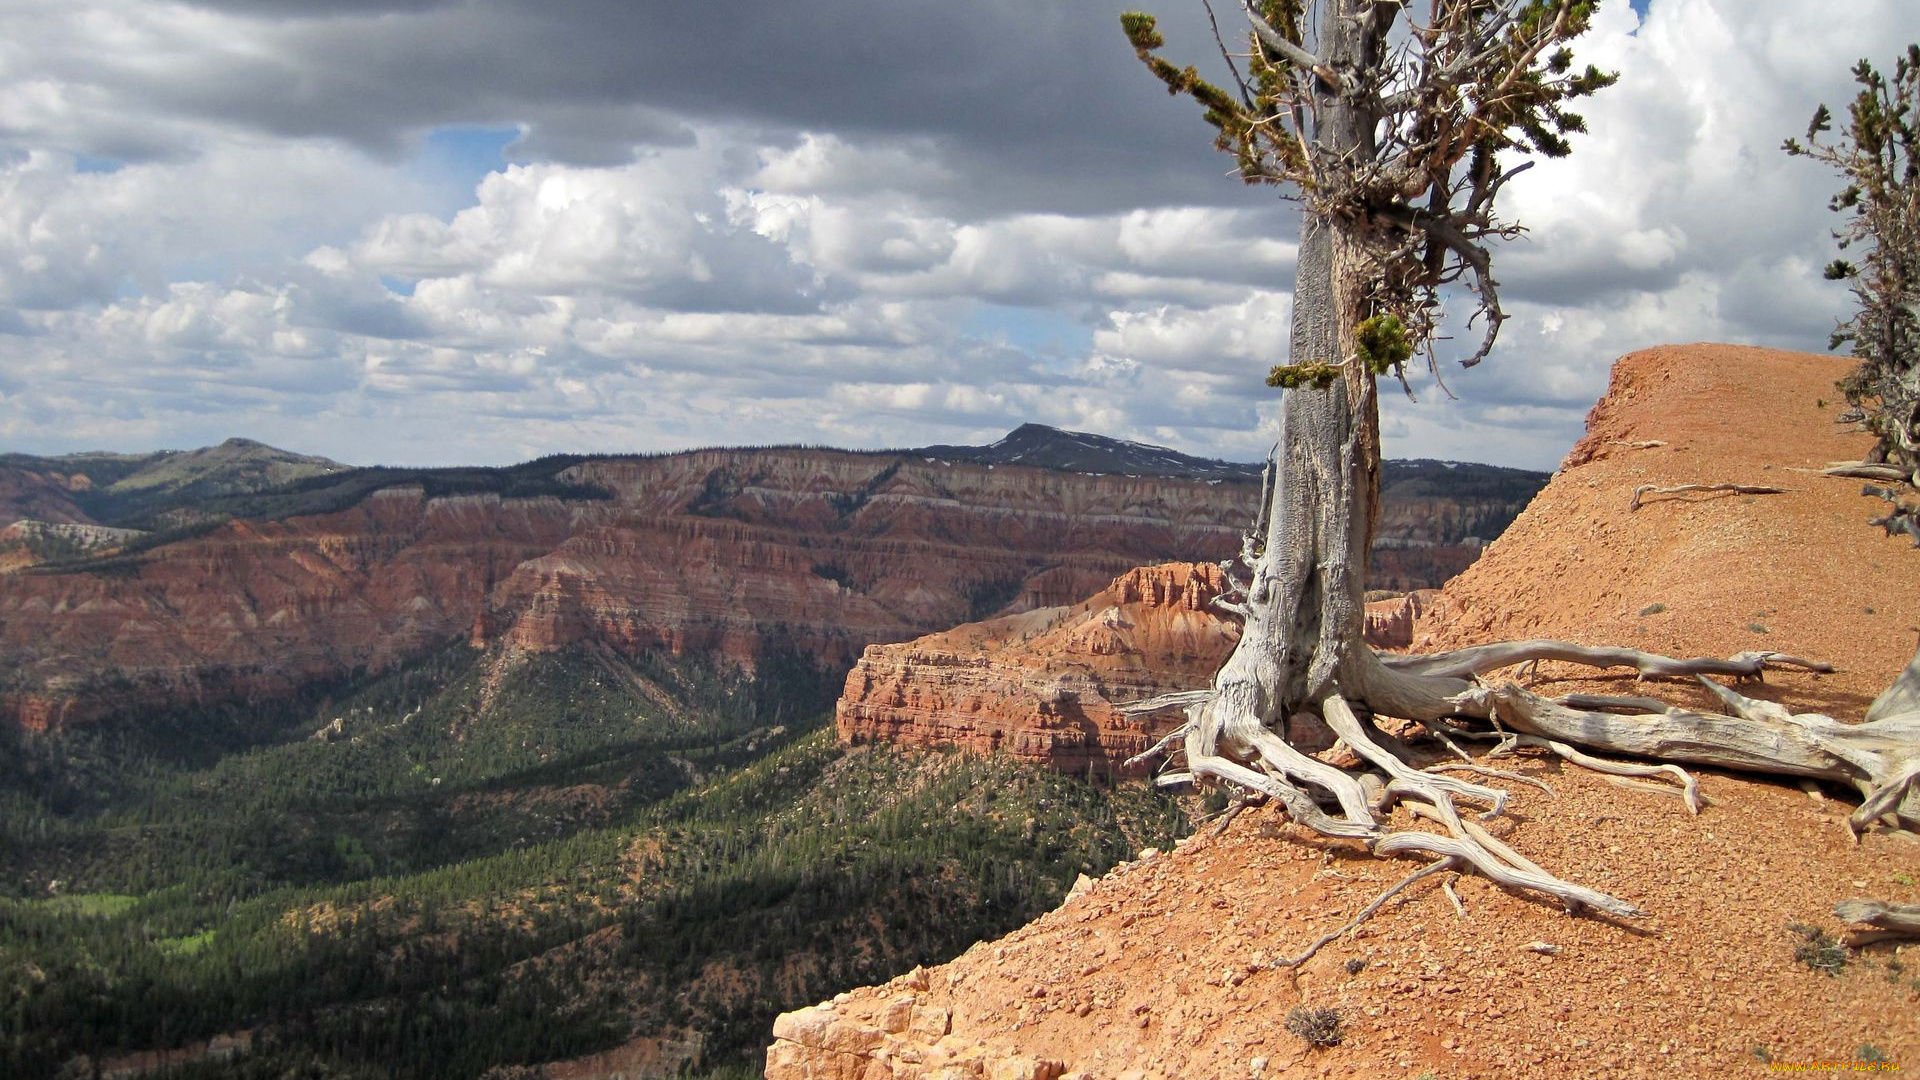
1653 609
1319 1027
1356 965
1818 949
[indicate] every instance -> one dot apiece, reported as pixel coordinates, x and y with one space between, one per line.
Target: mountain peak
1045 447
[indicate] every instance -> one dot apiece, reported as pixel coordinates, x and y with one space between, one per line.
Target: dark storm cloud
1044 102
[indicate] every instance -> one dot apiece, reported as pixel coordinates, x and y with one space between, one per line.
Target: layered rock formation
1041 686
1390 623
718 553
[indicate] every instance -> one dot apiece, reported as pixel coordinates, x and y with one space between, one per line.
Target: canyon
285 571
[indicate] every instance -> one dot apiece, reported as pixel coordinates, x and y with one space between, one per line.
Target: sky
478 231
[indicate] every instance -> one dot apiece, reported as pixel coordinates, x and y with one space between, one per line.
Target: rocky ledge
1041 686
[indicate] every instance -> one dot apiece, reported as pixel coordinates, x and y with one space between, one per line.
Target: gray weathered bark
1301 657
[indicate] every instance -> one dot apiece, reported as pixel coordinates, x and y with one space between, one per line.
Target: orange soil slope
1162 969
1797 572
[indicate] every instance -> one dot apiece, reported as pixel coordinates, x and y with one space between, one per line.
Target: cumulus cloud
750 223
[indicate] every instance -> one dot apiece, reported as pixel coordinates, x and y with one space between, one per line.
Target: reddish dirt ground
1162 968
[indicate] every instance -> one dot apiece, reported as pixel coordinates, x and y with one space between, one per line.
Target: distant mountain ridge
139 490
1040 446
238 583
1435 515
136 490
1044 447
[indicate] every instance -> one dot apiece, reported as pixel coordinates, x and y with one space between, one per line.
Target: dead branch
1889 920
1480 659
1681 489
1689 789
1367 912
1861 470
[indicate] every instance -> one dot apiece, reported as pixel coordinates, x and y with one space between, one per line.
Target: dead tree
1395 125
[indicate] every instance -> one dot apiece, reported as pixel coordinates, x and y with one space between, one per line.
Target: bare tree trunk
1305 603
1301 662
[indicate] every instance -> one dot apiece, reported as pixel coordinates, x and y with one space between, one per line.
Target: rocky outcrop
1390 622
906 1036
1041 686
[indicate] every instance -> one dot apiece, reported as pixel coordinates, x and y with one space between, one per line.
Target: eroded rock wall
1041 686
722 553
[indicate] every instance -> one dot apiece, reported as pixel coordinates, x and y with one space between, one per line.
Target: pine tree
1878 156
1395 127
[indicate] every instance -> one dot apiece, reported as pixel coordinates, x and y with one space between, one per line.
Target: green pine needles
1454 96
1380 342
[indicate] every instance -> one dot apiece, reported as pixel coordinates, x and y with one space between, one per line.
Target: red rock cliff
1040 686
711 552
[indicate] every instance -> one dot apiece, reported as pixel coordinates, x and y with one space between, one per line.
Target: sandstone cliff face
710 550
1390 623
717 552
1040 686
256 608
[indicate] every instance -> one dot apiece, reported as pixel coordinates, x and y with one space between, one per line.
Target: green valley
479 863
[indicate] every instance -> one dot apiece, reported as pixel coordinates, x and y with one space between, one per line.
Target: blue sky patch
464 154
1035 330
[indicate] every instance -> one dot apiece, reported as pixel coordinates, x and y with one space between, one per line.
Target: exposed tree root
1890 921
1682 489
1861 470
1302 677
1497 774
1480 659
1223 740
1689 789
